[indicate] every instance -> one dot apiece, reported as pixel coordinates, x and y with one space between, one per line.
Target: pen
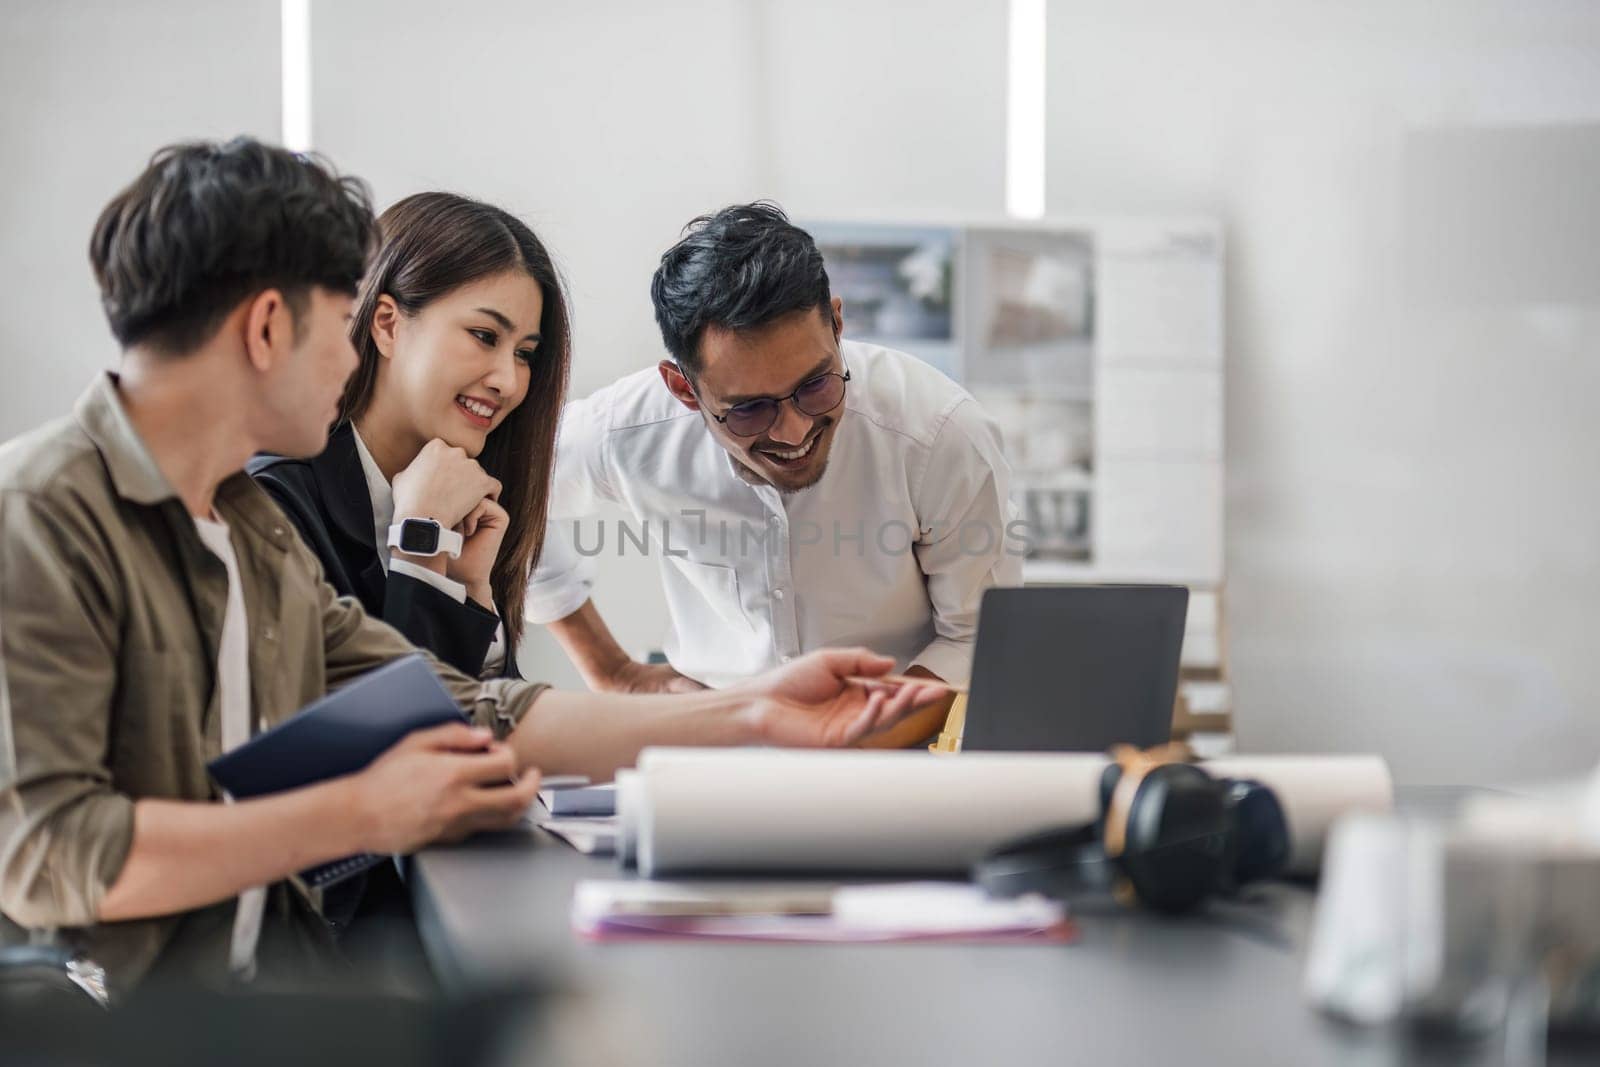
892 681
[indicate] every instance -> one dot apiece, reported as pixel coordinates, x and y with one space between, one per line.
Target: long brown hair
433 243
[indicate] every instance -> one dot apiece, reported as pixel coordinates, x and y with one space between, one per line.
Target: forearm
591 647
594 734
188 855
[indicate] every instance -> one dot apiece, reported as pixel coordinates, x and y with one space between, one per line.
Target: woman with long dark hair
429 503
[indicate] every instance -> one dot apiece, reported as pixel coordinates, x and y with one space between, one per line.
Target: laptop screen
1075 668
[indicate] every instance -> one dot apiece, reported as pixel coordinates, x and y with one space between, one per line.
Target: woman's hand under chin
482 531
444 484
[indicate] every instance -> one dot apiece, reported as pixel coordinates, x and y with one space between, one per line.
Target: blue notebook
337 735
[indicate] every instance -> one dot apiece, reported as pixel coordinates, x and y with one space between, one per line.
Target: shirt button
785 659
277 531
777 594
270 633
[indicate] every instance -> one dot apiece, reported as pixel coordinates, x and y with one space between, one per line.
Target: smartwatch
424 537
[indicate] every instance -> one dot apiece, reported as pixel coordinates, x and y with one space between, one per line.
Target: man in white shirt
799 490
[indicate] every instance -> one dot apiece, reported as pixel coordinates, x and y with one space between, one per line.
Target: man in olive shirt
156 608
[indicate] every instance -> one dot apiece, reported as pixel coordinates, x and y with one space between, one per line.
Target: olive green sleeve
64 831
355 643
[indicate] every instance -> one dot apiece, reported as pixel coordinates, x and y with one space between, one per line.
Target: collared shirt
111 617
891 549
381 494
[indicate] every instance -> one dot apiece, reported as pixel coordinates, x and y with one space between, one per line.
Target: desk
1223 988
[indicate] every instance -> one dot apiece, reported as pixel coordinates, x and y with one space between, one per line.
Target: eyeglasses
816 396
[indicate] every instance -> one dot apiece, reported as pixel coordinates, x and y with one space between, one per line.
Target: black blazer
326 498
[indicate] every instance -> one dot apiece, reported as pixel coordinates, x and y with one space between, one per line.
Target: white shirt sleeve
964 507
561 582
579 483
494 660
448 586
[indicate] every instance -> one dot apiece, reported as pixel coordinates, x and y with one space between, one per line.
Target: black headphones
1169 836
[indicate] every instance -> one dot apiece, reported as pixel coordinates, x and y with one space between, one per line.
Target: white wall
885 110
604 126
1413 331
88 89
608 126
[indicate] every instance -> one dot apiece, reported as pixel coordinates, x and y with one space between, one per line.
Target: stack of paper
589 801
592 837
811 912
580 814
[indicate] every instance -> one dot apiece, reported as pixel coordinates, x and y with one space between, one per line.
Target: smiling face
457 368
772 360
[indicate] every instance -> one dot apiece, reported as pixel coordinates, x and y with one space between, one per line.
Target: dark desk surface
1221 988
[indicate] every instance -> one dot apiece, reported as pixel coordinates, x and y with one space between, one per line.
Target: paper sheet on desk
592 837
636 909
803 929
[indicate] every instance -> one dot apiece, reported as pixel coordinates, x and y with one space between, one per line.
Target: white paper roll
629 803
718 809
795 810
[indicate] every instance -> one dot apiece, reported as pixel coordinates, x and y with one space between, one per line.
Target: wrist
736 716
750 715
424 536
405 509
342 816
436 564
611 674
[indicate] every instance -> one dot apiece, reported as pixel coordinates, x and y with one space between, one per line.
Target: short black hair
208 224
737 269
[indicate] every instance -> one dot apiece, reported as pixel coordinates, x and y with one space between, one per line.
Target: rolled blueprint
764 810
630 800
774 810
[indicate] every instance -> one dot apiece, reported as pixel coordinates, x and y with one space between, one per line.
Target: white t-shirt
233 692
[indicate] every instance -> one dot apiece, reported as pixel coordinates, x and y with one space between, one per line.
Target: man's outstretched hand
813 703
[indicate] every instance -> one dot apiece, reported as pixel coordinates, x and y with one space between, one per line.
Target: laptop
1075 668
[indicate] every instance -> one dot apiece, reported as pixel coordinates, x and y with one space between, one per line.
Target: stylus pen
894 681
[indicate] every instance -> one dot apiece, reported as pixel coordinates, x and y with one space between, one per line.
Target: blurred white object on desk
1471 923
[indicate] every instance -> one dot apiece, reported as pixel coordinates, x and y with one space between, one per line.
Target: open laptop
1075 668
